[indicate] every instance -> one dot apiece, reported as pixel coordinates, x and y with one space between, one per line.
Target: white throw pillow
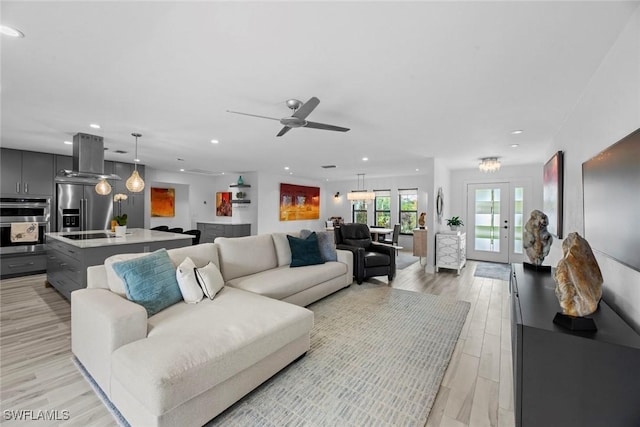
210 279
189 287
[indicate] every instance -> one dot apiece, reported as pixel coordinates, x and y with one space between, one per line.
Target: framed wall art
552 193
223 203
299 202
163 202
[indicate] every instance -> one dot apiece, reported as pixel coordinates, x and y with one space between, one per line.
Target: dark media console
570 378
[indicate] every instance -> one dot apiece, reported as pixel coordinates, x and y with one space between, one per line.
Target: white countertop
134 235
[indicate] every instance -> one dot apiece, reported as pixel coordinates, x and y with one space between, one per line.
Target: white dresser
451 250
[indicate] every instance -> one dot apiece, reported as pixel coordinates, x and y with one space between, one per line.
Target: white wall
442 179
460 179
608 110
182 207
196 198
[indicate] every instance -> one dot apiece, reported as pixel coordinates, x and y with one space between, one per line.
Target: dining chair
175 230
161 228
196 233
394 237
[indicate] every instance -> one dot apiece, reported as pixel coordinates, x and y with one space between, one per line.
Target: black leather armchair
369 259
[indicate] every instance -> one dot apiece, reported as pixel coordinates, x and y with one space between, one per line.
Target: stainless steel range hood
88 161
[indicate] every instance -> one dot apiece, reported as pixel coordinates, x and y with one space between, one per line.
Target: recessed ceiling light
516 132
286 168
181 169
68 142
11 32
290 173
94 125
514 145
417 169
214 141
365 159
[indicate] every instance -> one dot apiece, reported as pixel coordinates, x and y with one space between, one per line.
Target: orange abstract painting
163 202
298 202
223 203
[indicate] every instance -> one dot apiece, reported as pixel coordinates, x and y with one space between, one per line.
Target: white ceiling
412 80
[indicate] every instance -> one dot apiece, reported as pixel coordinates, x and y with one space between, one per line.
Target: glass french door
495 216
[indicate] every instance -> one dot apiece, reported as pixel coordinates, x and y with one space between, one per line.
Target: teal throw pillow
326 244
304 251
150 281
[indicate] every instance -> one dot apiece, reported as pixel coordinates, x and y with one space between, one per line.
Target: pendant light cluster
135 183
361 194
489 164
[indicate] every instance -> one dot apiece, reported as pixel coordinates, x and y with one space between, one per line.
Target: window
518 219
359 211
408 210
382 208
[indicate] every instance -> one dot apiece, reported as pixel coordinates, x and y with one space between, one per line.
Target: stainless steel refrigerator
80 208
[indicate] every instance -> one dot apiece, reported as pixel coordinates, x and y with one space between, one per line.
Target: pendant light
103 188
361 194
489 164
135 183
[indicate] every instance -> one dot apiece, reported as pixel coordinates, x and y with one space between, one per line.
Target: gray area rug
405 259
377 357
120 420
493 270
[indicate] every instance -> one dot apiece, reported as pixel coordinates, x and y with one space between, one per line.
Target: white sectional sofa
187 363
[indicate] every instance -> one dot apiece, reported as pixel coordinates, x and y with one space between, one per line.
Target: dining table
376 232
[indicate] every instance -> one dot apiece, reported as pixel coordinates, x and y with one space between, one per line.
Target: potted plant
119 222
454 222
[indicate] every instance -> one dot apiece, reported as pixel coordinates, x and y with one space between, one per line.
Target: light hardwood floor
36 372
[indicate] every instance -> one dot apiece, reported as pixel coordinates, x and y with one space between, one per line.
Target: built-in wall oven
24 223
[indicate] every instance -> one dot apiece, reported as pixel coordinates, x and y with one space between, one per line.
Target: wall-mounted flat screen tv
611 189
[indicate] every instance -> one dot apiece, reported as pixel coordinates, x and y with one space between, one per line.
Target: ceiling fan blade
307 108
324 126
284 130
252 115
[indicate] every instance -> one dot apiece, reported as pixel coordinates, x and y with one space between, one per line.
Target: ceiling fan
300 112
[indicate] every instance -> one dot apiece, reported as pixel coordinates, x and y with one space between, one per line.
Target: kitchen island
70 253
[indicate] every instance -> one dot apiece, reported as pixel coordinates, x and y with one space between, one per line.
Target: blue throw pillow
304 251
150 281
326 244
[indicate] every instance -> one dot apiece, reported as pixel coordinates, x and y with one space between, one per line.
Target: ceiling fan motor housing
293 122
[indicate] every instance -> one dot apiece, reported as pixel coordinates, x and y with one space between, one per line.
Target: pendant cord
135 160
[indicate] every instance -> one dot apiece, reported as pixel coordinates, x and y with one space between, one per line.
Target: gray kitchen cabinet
22 264
26 173
210 230
63 162
134 205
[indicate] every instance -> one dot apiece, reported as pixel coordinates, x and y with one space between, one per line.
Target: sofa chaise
189 362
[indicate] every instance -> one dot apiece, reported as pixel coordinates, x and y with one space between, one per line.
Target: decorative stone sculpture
536 239
421 220
578 278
